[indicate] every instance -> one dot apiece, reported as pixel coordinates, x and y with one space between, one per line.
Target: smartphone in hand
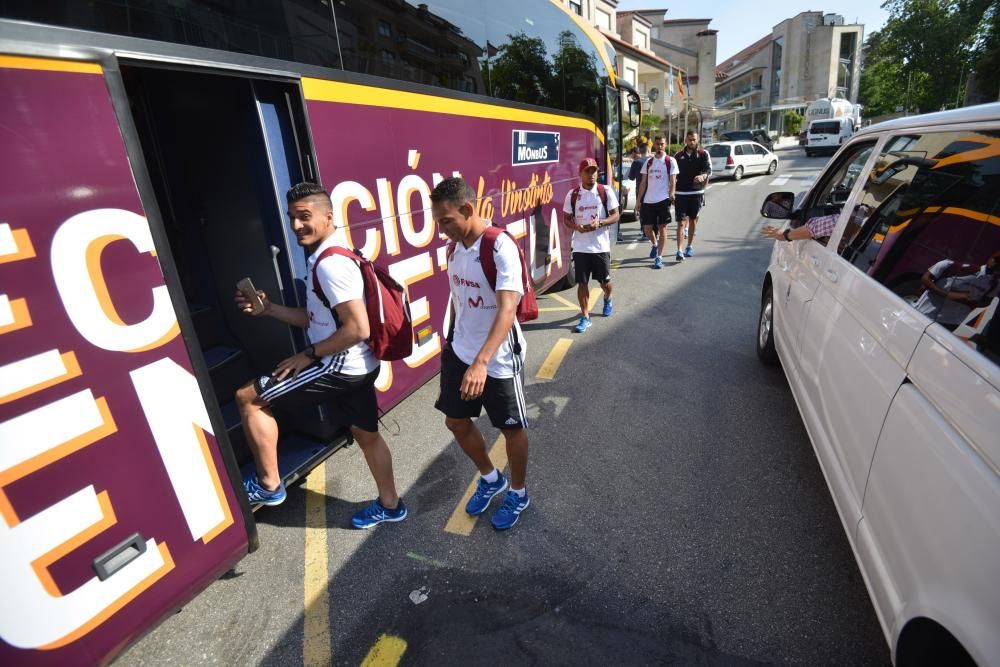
249 292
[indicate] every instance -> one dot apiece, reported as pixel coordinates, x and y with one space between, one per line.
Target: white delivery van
828 135
888 331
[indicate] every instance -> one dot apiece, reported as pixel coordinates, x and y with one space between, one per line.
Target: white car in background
626 193
737 159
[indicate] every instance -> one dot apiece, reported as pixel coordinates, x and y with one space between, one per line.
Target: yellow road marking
461 523
551 364
563 300
386 652
316 648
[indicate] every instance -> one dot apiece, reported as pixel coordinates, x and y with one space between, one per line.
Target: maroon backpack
601 192
390 324
527 307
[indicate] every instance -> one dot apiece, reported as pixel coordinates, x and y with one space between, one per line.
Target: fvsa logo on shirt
529 147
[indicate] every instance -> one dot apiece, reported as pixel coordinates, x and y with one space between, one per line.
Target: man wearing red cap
590 210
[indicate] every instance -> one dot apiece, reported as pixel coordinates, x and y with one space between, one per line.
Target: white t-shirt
340 279
945 310
588 209
476 304
658 179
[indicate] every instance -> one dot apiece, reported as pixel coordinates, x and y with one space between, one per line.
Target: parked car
626 193
827 135
738 158
889 334
760 136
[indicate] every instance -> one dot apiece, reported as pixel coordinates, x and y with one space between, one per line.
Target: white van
828 135
888 331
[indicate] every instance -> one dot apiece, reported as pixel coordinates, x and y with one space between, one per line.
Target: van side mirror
778 205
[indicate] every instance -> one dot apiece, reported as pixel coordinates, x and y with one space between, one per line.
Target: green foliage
921 60
793 123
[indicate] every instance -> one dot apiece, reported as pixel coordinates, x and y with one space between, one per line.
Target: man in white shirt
591 217
951 292
654 196
481 365
337 369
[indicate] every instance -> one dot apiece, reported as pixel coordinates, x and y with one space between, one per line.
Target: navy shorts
351 398
596 264
503 398
688 206
654 215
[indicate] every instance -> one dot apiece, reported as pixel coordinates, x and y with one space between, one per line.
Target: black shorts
502 397
351 398
654 215
596 264
688 206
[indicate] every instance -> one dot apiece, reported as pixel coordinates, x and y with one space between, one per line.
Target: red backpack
390 325
601 192
527 307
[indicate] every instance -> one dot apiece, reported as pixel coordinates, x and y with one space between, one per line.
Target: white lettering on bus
177 417
76 267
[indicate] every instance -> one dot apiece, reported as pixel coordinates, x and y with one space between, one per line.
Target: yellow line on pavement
563 300
558 309
551 363
461 523
316 648
386 652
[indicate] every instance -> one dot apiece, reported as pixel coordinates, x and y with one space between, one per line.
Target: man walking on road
655 194
337 370
590 210
482 363
694 168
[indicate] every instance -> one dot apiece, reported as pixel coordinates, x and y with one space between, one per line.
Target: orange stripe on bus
41 564
117 605
22 318
227 520
25 250
47 64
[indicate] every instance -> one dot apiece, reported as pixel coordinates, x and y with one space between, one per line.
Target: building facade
805 58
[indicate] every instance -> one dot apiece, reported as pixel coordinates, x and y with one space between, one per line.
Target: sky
741 23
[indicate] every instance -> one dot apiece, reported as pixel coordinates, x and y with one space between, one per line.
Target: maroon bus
146 148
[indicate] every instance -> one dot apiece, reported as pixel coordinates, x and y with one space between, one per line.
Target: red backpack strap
573 196
486 259
332 250
603 194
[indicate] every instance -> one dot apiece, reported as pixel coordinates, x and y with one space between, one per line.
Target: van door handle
830 275
815 260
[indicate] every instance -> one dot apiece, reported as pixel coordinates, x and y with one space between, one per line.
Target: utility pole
958 91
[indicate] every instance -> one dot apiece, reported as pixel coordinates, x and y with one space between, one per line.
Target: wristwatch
785 234
311 353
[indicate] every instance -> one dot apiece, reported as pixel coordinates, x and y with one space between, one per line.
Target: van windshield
828 127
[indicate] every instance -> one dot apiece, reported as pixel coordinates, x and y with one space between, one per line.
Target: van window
718 150
759 150
928 228
825 127
837 183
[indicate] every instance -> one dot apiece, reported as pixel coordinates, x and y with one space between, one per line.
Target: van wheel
738 174
765 331
773 167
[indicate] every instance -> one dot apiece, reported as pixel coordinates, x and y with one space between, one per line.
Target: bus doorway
221 151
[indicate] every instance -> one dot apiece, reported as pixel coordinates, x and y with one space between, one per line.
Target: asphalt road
678 513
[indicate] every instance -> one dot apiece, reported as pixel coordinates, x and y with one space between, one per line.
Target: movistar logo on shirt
529 147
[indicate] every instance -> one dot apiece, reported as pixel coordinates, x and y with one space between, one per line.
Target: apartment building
805 58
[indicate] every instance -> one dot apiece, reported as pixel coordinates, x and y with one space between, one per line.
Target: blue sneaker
652 251
657 263
376 513
583 325
689 252
679 256
258 495
485 492
510 511
607 308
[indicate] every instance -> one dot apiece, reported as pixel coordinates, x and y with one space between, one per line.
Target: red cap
587 163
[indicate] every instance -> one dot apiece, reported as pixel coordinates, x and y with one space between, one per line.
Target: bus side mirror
634 110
